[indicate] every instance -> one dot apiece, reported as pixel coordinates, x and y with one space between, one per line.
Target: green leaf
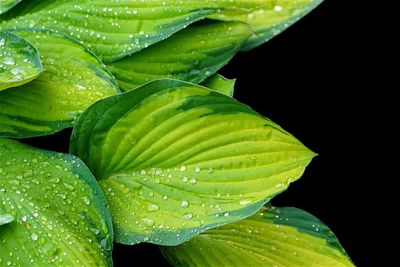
73 80
19 61
221 84
59 211
114 28
175 159
272 237
269 19
192 55
6 5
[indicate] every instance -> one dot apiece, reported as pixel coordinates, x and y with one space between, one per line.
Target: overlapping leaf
74 79
19 61
175 159
116 28
52 210
268 18
272 237
6 5
113 28
192 55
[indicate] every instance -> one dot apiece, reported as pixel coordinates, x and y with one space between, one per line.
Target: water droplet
184 204
188 216
34 237
197 169
152 207
244 202
182 168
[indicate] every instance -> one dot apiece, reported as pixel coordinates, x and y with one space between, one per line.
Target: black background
312 80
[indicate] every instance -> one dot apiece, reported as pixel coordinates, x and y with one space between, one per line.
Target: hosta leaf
175 159
221 84
191 55
73 80
58 210
19 61
6 5
269 18
114 28
272 237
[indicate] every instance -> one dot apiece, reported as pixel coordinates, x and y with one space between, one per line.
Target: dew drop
184 204
34 237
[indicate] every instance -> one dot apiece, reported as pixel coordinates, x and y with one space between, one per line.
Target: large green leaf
191 55
6 5
117 28
221 84
175 159
269 19
57 214
73 80
19 61
272 237
114 28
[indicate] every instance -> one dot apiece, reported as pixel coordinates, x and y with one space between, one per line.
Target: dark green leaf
60 215
175 159
19 61
192 55
73 80
272 237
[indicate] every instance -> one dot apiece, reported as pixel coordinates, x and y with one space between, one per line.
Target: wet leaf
192 55
54 209
112 28
272 237
268 18
73 80
19 61
175 159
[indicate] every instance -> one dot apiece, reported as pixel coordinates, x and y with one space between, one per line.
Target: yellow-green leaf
112 28
272 237
74 79
175 159
192 55
19 61
52 211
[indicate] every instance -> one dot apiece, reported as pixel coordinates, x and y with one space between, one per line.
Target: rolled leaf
55 210
272 237
269 18
192 55
73 80
6 5
221 84
19 61
175 159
